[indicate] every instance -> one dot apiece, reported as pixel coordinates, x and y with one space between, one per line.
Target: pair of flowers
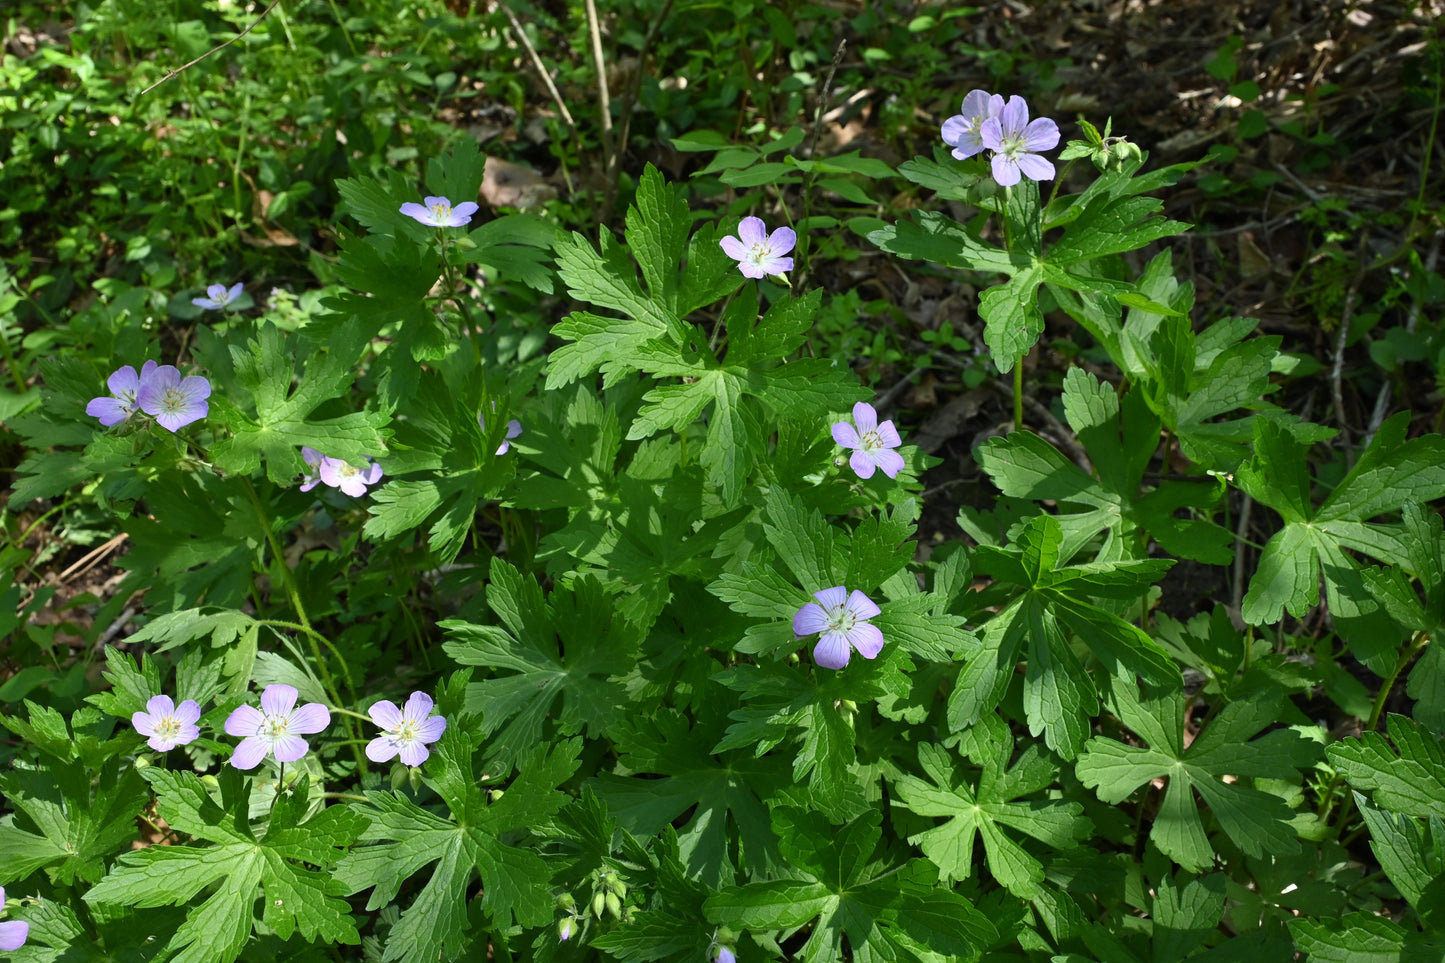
158 390
277 727
988 123
335 473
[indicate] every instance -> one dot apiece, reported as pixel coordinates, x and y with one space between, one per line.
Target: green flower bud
599 904
614 905
566 928
566 902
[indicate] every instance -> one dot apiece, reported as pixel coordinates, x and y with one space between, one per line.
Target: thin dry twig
177 71
604 104
539 65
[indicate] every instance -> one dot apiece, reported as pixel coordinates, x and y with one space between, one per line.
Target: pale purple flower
757 252
438 212
514 428
870 441
174 401
13 932
351 479
1014 140
962 131
724 954
125 386
276 728
167 724
218 297
405 730
313 459
843 621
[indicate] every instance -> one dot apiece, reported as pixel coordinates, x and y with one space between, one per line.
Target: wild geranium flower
724 954
13 933
124 385
438 212
218 297
842 618
313 459
168 725
1014 141
351 479
405 731
870 441
276 728
962 131
759 253
174 401
514 428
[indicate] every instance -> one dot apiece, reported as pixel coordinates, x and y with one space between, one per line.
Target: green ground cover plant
580 578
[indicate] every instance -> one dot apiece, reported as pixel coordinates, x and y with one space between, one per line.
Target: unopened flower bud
614 905
566 902
599 904
566 928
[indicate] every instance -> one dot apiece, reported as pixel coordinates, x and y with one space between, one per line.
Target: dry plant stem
187 66
1337 370
1412 320
634 88
604 108
1236 595
541 67
812 155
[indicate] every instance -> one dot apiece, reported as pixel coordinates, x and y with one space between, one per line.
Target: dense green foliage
1059 753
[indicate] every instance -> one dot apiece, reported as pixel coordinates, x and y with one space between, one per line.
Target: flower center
760 252
168 727
348 470
871 442
1014 144
841 620
173 401
275 727
406 731
442 211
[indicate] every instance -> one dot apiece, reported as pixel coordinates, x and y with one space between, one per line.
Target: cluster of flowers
158 390
277 727
988 123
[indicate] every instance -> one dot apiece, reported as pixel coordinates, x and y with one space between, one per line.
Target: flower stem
1019 393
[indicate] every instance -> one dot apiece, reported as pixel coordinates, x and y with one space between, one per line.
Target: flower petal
312 717
1035 167
189 733
846 435
890 461
861 605
1041 134
188 712
809 620
123 380
889 435
110 411
417 707
832 650
381 749
752 230
867 639
278 699
249 753
833 598
782 241
13 934
1005 171
733 248
990 133
863 464
954 129
289 748
414 754
144 723
431 730
244 721
865 416
385 714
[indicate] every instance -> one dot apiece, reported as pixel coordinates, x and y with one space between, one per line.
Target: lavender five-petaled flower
124 385
870 441
757 252
842 618
1014 141
438 212
313 459
174 401
405 731
218 297
168 725
961 131
276 728
514 428
351 479
12 932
